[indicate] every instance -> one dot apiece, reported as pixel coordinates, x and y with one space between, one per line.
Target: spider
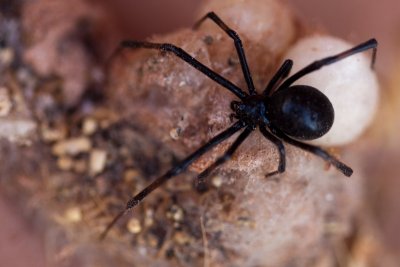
282 112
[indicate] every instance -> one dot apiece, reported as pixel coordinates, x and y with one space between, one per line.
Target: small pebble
149 218
73 215
97 161
52 134
17 130
6 56
216 181
134 226
175 133
65 163
175 213
72 146
5 102
89 126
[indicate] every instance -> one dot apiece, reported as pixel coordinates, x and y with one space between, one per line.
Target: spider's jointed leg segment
316 65
182 54
281 74
281 149
226 156
238 46
176 170
184 164
346 170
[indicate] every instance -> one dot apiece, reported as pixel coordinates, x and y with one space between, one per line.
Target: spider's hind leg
346 170
281 149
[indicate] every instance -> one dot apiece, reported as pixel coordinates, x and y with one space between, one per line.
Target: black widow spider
283 112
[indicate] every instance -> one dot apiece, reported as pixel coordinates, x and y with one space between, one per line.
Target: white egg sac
350 84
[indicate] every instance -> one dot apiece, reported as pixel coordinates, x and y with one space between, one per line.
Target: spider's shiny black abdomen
300 111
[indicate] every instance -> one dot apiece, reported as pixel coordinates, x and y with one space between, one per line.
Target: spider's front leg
281 74
281 149
238 45
182 54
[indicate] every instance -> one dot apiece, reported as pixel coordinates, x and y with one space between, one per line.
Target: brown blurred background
354 20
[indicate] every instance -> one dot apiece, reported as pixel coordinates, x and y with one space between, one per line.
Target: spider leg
281 74
370 44
346 170
179 168
182 54
238 46
281 149
226 156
